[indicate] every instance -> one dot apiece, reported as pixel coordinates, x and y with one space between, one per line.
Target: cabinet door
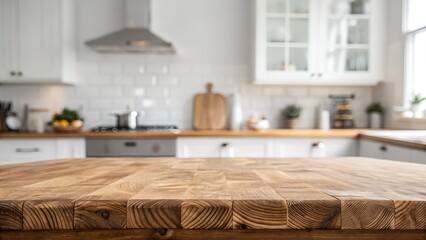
386 151
22 150
7 39
284 40
39 37
302 148
418 156
224 148
352 41
70 148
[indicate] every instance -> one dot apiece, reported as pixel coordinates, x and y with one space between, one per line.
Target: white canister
236 119
375 120
324 120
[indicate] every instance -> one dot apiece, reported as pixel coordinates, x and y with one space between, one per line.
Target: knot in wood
105 214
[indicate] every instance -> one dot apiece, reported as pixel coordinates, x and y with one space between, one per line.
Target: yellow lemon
64 123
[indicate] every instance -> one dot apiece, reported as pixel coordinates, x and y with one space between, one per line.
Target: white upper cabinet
37 41
319 42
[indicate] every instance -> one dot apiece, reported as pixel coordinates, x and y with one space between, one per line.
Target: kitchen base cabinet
31 150
306 147
265 147
70 148
224 147
374 149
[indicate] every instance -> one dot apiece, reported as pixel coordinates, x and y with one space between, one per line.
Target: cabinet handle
318 145
225 145
319 74
130 144
19 73
12 73
156 148
27 150
312 74
383 148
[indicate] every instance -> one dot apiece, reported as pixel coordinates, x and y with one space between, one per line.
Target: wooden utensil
209 112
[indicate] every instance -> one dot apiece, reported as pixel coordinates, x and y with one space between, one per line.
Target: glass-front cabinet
333 42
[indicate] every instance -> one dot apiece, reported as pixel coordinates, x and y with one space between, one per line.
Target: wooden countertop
168 193
277 133
397 139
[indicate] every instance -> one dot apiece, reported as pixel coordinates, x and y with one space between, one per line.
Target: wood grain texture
368 214
186 234
256 205
40 215
11 215
410 214
99 214
209 111
206 214
233 194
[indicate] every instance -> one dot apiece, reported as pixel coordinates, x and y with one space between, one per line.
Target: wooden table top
137 193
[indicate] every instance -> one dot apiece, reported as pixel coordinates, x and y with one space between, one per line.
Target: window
415 33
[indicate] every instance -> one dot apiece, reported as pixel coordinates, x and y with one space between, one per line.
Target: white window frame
408 49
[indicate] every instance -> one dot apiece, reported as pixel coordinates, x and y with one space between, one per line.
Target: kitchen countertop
297 133
223 194
412 138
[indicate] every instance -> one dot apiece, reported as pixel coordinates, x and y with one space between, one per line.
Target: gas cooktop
142 128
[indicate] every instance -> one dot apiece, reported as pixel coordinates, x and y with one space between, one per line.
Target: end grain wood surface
221 194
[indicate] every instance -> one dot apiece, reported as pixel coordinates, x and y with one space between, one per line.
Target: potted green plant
291 114
416 103
375 113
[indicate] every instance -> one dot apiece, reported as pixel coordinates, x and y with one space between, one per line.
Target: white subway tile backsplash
134 92
202 69
157 114
100 103
123 80
165 92
110 68
167 80
297 91
87 68
179 69
149 80
111 92
134 68
157 92
103 80
124 104
87 91
273 91
157 69
148 103
319 92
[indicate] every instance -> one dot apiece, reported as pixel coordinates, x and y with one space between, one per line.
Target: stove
141 128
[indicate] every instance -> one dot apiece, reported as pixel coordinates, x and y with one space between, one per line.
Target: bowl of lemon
67 121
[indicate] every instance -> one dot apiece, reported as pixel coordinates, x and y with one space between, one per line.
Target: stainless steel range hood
136 37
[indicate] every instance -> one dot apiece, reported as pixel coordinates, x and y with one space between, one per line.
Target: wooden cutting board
209 111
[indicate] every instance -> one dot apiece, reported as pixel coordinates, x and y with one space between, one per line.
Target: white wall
213 42
391 92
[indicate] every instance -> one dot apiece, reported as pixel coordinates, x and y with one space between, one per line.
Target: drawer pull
383 148
225 145
27 150
156 148
318 145
130 144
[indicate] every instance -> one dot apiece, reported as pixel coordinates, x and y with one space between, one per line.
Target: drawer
130 147
16 151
